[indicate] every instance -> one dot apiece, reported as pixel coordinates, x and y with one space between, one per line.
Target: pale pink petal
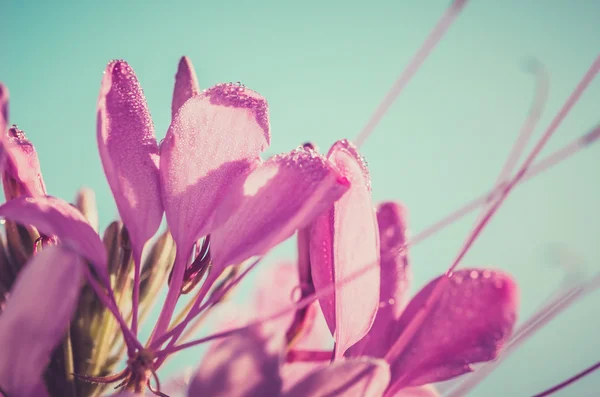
214 138
275 292
21 174
129 152
395 278
243 365
186 85
418 391
293 373
277 198
55 217
348 378
177 386
36 317
469 323
345 241
317 335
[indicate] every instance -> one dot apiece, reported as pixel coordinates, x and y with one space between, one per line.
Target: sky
324 66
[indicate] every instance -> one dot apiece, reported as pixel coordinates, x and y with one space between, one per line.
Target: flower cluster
72 300
68 290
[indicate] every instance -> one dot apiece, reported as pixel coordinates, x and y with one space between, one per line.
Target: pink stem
529 125
176 332
567 382
414 65
135 299
538 168
294 356
166 313
111 305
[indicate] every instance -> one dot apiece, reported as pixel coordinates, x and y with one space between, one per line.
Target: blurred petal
395 278
471 320
348 378
275 293
4 98
418 391
129 152
345 241
55 217
21 174
243 365
186 85
85 201
215 138
279 197
177 386
36 317
293 373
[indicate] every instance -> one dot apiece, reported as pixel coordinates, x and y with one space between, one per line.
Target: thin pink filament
414 65
417 320
569 381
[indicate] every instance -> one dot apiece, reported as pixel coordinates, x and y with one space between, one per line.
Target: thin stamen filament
413 326
414 65
569 381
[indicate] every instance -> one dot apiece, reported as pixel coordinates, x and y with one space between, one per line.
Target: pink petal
4 96
214 138
186 85
317 335
243 365
395 278
55 217
21 174
276 292
348 378
36 317
279 197
418 391
129 152
469 323
345 241
294 373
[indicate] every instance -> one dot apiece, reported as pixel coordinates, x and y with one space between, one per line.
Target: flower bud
86 204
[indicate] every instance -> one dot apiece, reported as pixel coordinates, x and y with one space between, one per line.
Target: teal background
324 66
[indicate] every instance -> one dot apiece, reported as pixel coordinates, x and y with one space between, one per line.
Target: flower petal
348 378
395 278
21 174
36 317
186 85
418 391
275 293
277 198
243 365
55 217
4 95
129 152
469 323
345 241
215 137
